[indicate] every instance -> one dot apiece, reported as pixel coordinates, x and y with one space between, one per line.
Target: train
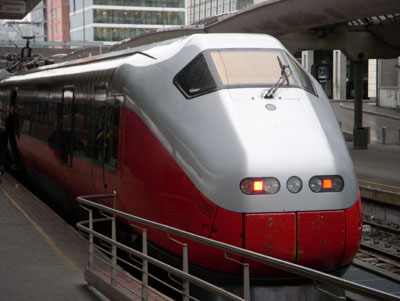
222 135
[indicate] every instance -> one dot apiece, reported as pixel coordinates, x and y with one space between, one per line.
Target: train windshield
248 67
236 68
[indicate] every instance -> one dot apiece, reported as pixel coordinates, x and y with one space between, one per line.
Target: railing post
383 135
185 268
246 276
145 277
246 282
185 287
90 238
114 247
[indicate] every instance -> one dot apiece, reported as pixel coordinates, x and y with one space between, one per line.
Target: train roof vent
207 208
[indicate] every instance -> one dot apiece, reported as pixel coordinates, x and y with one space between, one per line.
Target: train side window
24 116
42 129
99 122
98 131
67 124
51 126
82 128
195 79
23 111
112 131
3 110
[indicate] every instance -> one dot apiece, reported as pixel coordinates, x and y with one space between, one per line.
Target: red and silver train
222 135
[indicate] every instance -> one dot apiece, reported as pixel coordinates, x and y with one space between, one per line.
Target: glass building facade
39 15
116 20
198 10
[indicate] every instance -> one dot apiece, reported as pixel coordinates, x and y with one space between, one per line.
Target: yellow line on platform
379 184
51 243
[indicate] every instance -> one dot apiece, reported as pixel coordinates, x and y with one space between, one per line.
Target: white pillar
307 59
339 75
372 78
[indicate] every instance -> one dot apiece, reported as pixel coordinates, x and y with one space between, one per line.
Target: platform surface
378 166
41 256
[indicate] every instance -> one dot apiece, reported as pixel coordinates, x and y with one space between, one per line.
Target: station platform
41 256
377 167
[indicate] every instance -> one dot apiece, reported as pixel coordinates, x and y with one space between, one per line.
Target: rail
314 275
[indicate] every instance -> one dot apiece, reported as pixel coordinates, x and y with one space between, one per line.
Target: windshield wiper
284 78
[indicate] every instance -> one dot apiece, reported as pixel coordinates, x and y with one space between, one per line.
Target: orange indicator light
327 183
258 185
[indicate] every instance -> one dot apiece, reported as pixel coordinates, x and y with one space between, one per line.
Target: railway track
380 249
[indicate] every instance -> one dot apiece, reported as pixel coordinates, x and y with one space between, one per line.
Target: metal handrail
270 261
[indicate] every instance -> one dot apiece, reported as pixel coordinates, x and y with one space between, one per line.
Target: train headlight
337 183
294 184
326 184
272 185
260 185
246 186
316 184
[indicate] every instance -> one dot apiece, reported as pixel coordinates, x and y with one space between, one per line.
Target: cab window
195 79
236 68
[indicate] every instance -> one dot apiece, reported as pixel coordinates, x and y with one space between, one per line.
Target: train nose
323 240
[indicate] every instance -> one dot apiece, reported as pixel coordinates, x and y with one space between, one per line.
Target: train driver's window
249 67
195 79
304 78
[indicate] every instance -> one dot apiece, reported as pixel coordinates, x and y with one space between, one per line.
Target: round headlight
294 184
271 185
246 186
337 183
315 184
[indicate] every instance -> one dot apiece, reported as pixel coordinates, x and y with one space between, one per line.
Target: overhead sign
13 6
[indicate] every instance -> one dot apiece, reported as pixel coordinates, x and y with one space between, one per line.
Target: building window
138 17
150 3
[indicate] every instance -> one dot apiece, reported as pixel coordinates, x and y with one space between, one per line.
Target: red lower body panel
210 221
321 239
272 234
353 231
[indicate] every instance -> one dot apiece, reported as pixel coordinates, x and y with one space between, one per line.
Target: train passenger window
82 128
195 79
112 133
24 116
23 110
98 131
41 128
106 132
3 110
67 123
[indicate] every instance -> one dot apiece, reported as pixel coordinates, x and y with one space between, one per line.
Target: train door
66 134
106 138
111 141
98 128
